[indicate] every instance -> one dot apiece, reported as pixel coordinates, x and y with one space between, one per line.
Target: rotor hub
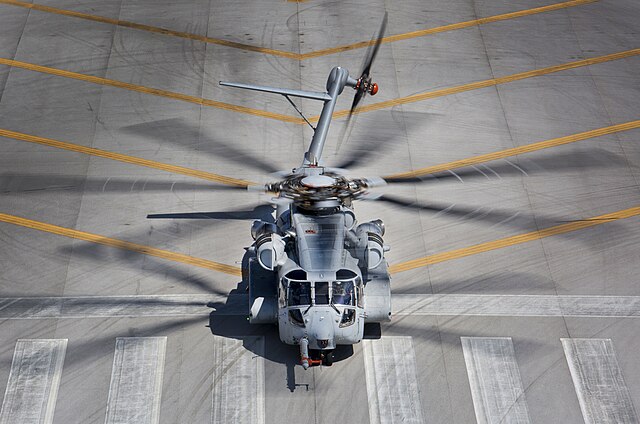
365 85
318 181
315 192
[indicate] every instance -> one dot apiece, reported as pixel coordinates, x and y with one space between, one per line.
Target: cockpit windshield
343 292
299 293
322 292
302 293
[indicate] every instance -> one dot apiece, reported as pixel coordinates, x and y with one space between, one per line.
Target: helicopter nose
323 331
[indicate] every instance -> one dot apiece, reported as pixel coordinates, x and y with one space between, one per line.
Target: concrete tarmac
520 302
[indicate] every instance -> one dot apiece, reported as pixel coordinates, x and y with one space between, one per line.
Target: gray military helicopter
315 272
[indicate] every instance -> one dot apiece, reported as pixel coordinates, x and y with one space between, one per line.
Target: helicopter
315 272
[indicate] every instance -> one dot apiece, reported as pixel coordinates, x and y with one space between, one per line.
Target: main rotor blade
377 133
364 77
262 212
32 183
372 51
181 132
490 215
591 159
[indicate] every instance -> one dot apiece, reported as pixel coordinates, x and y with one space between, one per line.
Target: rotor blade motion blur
182 132
32 183
365 84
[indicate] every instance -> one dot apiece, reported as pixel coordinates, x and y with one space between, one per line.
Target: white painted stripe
517 305
237 304
238 381
392 386
496 386
136 380
603 395
34 379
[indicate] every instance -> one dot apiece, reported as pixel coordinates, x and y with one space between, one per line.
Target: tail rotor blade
372 52
364 82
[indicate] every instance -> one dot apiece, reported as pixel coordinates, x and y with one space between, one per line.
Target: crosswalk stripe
392 387
238 381
34 378
136 380
494 377
602 393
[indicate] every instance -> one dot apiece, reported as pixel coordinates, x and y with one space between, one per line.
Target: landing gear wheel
327 358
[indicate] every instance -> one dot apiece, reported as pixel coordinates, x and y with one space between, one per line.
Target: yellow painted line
511 241
149 28
485 83
124 158
120 244
292 119
291 55
475 160
149 90
445 28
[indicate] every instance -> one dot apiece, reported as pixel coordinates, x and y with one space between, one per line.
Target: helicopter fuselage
328 276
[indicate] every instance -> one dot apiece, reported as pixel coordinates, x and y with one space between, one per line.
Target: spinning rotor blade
591 159
490 215
262 212
378 134
365 73
372 51
23 183
364 81
182 132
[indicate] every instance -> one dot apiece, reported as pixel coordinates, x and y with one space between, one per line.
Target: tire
328 359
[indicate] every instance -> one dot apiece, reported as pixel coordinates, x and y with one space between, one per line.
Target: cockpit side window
299 293
342 292
322 292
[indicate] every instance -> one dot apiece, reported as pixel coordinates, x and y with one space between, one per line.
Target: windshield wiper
334 307
307 310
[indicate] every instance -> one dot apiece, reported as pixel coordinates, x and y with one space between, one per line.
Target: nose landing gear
313 357
326 356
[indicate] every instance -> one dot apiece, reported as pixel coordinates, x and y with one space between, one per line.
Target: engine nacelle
270 251
371 233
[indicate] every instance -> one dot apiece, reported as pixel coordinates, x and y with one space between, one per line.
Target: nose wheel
326 356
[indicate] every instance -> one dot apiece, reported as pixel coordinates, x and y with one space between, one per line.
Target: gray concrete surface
593 271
